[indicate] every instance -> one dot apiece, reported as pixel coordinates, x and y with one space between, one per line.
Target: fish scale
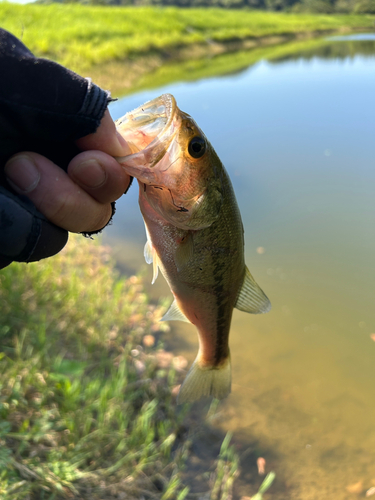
194 235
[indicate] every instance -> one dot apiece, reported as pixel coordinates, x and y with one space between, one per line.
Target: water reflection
351 46
346 50
356 37
297 139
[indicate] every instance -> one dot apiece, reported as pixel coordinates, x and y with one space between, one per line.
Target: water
297 138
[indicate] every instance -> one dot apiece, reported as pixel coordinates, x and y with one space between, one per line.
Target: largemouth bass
194 234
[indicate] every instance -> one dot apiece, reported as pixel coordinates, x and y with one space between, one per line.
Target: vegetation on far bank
81 36
87 392
312 6
153 72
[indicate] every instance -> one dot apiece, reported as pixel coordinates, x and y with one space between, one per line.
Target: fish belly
205 289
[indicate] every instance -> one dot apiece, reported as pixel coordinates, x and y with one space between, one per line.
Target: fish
195 235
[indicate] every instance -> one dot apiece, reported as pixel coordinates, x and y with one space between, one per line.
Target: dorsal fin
251 298
174 313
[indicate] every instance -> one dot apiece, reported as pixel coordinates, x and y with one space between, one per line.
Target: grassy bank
87 392
84 36
149 72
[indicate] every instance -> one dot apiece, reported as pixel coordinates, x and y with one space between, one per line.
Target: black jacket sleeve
44 108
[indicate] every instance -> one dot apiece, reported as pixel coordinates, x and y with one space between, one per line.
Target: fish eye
197 147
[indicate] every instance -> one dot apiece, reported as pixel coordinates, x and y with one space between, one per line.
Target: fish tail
206 381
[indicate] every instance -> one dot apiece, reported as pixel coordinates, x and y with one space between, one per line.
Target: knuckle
63 209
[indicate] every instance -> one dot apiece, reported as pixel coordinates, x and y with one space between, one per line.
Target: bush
365 7
314 6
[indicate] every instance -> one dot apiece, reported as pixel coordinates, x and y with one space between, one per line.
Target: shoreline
136 72
120 47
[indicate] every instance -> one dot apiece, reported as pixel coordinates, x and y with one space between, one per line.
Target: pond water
297 138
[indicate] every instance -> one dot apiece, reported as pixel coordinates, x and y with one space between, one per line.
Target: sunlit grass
82 36
264 486
86 408
227 469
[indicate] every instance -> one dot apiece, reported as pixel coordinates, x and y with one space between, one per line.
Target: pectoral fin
252 299
152 257
174 313
185 251
148 252
155 266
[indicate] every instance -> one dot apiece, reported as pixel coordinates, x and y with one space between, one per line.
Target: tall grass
82 36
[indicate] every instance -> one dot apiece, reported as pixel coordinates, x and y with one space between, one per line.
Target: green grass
83 36
86 403
227 470
86 409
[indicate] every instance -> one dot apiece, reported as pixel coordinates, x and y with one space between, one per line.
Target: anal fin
174 313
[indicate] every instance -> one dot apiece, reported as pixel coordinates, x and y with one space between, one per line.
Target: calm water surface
297 137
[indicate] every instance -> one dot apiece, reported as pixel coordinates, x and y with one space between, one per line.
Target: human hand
44 107
79 200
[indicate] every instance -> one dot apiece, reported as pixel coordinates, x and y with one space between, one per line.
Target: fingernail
90 173
22 173
123 145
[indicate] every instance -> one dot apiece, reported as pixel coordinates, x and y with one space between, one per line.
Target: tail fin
202 382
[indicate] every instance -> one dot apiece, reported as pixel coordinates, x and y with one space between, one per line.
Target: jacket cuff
95 102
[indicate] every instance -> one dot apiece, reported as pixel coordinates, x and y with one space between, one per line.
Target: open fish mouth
149 131
148 125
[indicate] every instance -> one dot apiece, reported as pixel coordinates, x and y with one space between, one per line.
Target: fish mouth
148 130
